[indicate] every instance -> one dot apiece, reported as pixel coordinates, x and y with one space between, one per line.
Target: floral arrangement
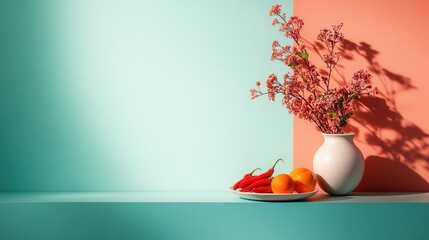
307 93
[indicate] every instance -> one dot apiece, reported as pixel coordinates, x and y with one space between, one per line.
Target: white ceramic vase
338 164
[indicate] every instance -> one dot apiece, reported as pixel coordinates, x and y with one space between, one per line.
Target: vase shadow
384 175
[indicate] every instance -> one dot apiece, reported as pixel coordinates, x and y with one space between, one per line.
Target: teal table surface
213 197
210 215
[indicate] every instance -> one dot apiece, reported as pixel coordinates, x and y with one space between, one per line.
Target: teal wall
127 95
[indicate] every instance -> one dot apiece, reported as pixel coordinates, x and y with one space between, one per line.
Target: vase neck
345 136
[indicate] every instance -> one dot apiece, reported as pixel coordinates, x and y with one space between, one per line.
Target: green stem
278 160
251 173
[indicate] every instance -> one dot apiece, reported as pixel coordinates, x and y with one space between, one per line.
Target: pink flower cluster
307 93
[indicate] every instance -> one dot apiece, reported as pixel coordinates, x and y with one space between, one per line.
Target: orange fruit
282 183
304 180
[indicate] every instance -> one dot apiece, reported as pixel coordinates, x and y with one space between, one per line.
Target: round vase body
338 164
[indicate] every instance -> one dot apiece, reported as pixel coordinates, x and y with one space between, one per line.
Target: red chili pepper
261 182
245 176
263 189
253 179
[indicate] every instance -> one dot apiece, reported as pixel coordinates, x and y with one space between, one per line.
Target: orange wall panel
390 39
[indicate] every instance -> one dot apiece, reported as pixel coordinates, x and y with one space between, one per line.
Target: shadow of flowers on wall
400 147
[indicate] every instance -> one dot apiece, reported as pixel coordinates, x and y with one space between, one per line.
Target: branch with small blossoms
275 87
303 93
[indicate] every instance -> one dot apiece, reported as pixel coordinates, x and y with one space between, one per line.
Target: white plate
273 197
